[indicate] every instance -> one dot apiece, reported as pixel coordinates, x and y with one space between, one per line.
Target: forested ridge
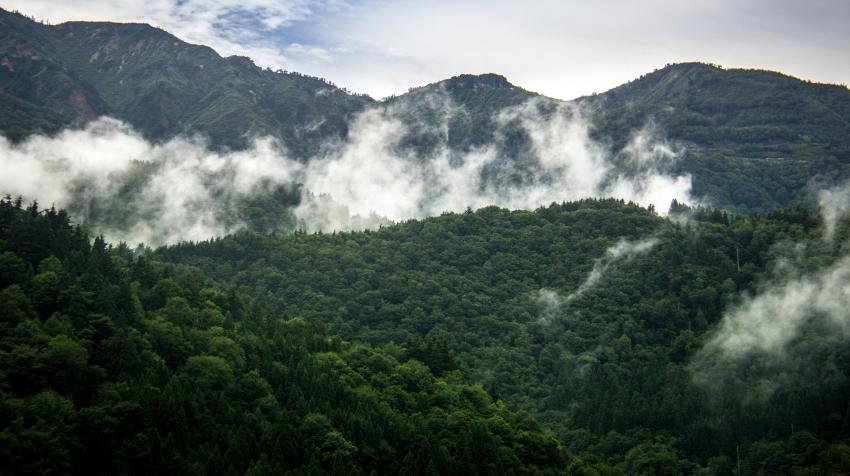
755 139
427 347
750 140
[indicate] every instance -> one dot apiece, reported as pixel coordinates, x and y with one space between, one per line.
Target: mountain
753 141
754 138
478 99
161 85
708 106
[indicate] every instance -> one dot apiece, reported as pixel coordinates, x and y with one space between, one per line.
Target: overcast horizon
560 49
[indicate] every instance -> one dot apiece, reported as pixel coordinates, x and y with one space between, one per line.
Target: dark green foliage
19 118
421 348
188 359
610 373
708 105
114 364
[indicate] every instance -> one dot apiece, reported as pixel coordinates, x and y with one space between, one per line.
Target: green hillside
709 106
755 139
613 371
116 364
422 348
19 118
164 86
592 337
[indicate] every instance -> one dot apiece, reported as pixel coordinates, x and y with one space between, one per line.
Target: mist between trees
389 168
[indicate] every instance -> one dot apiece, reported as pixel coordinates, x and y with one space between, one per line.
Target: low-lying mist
792 328
553 304
129 189
769 321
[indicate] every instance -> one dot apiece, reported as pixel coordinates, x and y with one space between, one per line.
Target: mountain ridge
754 140
164 86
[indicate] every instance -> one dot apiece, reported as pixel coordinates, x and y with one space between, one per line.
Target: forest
572 339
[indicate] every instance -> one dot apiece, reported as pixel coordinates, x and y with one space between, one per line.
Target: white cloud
372 174
769 321
181 190
760 343
308 53
552 303
228 26
366 174
834 206
175 191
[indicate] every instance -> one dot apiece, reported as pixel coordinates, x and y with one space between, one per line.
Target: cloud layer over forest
764 341
133 190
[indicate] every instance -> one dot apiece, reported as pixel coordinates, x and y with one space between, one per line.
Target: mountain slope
755 139
467 105
112 364
19 118
549 312
164 86
709 106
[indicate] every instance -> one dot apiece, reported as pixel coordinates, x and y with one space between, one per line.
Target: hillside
592 316
464 108
212 268
114 364
451 345
755 139
706 105
163 86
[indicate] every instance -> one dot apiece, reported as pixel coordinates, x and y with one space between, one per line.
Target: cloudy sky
562 48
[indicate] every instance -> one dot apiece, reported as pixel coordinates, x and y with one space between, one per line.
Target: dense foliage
612 373
425 347
569 339
112 363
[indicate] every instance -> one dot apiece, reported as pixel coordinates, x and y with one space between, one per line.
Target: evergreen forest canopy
467 343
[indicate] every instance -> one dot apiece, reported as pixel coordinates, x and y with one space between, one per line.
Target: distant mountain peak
471 88
241 60
487 80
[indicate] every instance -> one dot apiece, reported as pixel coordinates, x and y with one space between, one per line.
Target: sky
563 49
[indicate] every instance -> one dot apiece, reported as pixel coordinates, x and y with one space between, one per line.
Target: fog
834 206
141 192
764 342
553 304
770 320
133 190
